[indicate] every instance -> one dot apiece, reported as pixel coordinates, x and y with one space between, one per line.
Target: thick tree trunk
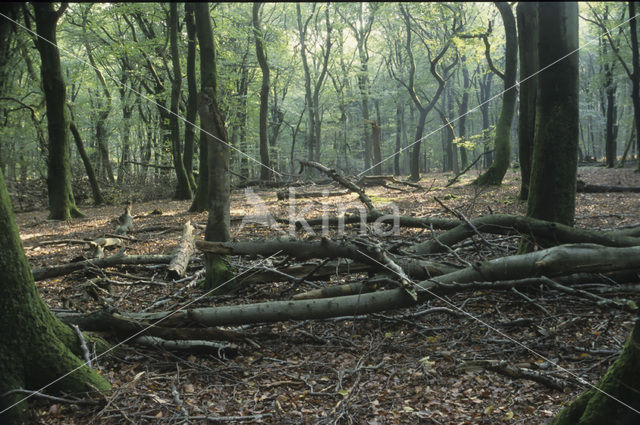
552 191
265 171
62 204
37 349
527 17
616 401
501 158
211 117
415 154
183 189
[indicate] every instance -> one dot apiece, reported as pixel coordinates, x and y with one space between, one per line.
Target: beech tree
62 204
213 123
36 347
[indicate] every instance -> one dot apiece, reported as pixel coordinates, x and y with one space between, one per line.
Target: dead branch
583 187
324 248
504 224
504 368
333 174
116 259
285 194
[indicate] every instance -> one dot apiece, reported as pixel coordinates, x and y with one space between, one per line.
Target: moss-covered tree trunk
261 54
62 204
501 156
552 189
37 349
212 121
617 395
527 20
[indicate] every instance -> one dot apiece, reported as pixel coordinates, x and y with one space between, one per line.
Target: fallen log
324 248
368 181
116 259
504 224
518 271
183 252
285 194
583 187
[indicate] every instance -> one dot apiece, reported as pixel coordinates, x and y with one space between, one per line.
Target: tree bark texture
552 191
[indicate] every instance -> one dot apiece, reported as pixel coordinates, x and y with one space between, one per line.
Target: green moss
218 272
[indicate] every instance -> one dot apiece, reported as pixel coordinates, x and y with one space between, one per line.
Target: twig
83 345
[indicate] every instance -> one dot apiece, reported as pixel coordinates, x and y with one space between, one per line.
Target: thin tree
261 54
495 173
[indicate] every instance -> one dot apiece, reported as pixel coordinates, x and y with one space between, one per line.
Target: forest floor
398 367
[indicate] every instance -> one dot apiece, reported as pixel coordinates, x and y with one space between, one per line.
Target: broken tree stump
182 254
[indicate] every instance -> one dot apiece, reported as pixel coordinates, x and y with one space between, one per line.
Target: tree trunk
415 155
501 158
616 400
212 120
37 349
527 17
552 191
265 171
95 188
635 77
183 189
462 112
192 96
62 204
399 124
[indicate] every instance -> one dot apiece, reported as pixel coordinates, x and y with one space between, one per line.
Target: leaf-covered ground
400 367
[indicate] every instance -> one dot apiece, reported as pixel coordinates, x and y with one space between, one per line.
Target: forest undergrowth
398 367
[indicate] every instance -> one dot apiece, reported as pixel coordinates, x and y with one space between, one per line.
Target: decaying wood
504 368
504 224
583 187
220 349
325 248
368 181
518 271
333 174
116 259
285 194
183 252
125 221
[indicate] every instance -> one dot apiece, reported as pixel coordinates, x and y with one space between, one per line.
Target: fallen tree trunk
116 259
285 194
503 273
183 252
504 224
324 248
583 187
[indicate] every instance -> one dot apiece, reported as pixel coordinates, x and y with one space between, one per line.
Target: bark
192 95
180 261
36 348
62 205
500 274
265 171
218 222
462 111
617 392
555 154
119 258
495 173
527 18
504 224
326 248
93 182
635 74
183 188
